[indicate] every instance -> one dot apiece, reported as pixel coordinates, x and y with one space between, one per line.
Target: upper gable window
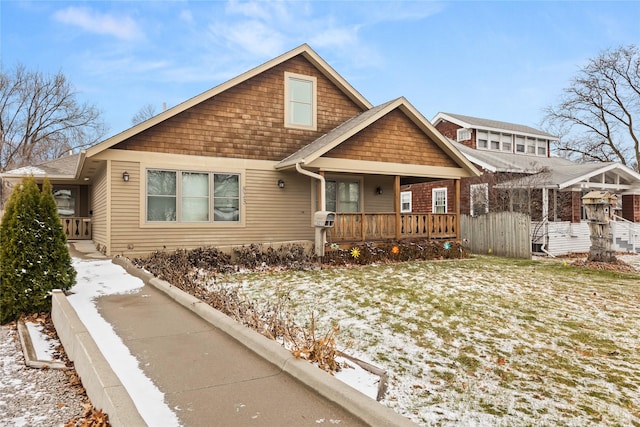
300 101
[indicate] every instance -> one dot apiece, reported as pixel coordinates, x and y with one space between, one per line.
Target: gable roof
64 167
496 161
581 173
303 50
491 125
335 137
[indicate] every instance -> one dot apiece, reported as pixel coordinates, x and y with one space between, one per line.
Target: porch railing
76 228
381 226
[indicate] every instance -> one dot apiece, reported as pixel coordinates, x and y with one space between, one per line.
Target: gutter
323 205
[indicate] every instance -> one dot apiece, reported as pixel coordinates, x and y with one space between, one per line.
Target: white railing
627 231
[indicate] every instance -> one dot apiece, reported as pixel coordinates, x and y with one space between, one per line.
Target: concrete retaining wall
102 385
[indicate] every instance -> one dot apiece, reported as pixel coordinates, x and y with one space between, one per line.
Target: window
343 196
177 196
506 140
542 147
65 200
300 101
405 201
495 140
463 135
482 140
439 200
479 199
195 197
520 144
226 197
161 195
531 146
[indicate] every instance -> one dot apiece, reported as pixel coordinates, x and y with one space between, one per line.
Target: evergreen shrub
34 258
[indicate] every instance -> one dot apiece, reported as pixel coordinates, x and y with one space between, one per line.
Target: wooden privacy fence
500 233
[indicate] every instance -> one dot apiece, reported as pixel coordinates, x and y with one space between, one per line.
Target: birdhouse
599 205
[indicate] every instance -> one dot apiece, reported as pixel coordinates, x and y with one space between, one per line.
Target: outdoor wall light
280 183
125 176
379 191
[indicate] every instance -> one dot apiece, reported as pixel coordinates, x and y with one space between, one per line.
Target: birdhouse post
599 207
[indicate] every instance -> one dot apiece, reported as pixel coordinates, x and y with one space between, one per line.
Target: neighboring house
252 160
519 174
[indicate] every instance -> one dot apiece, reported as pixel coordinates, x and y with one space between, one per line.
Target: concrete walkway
214 372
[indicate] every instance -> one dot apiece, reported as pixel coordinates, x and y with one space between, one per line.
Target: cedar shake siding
395 139
247 120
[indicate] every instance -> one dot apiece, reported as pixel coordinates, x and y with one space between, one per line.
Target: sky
501 60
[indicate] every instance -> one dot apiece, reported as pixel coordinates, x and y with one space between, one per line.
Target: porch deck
76 227
352 227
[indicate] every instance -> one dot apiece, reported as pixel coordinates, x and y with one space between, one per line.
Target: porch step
623 244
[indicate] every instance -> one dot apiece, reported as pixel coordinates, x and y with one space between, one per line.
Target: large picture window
184 196
300 101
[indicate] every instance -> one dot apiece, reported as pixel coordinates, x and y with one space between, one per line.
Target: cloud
253 37
122 27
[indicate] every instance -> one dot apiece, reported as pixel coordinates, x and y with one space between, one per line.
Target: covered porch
375 224
353 227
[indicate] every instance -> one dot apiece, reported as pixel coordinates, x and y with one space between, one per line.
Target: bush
393 251
34 258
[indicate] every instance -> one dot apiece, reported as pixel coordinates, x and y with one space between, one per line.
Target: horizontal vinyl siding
378 203
125 206
271 215
275 214
99 208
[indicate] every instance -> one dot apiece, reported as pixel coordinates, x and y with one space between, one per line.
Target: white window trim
314 101
405 194
463 134
433 199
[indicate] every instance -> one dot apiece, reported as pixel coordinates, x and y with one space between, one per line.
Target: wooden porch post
457 208
396 204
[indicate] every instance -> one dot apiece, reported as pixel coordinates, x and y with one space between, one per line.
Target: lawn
482 341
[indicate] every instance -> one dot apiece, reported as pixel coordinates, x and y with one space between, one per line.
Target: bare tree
41 119
144 113
603 105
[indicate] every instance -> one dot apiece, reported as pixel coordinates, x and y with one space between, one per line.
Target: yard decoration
395 250
355 252
599 208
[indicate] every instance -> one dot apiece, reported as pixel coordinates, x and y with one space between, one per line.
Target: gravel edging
34 397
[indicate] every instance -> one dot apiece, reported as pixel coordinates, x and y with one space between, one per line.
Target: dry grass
486 341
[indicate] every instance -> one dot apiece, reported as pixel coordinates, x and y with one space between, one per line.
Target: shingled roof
492 125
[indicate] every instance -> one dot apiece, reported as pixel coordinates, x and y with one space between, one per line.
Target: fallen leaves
91 417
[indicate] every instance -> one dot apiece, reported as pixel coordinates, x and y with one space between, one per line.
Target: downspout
323 205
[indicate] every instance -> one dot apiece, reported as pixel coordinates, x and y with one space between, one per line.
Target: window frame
288 123
180 197
410 201
434 191
473 189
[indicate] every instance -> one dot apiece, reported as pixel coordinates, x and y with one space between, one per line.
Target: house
519 174
252 160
